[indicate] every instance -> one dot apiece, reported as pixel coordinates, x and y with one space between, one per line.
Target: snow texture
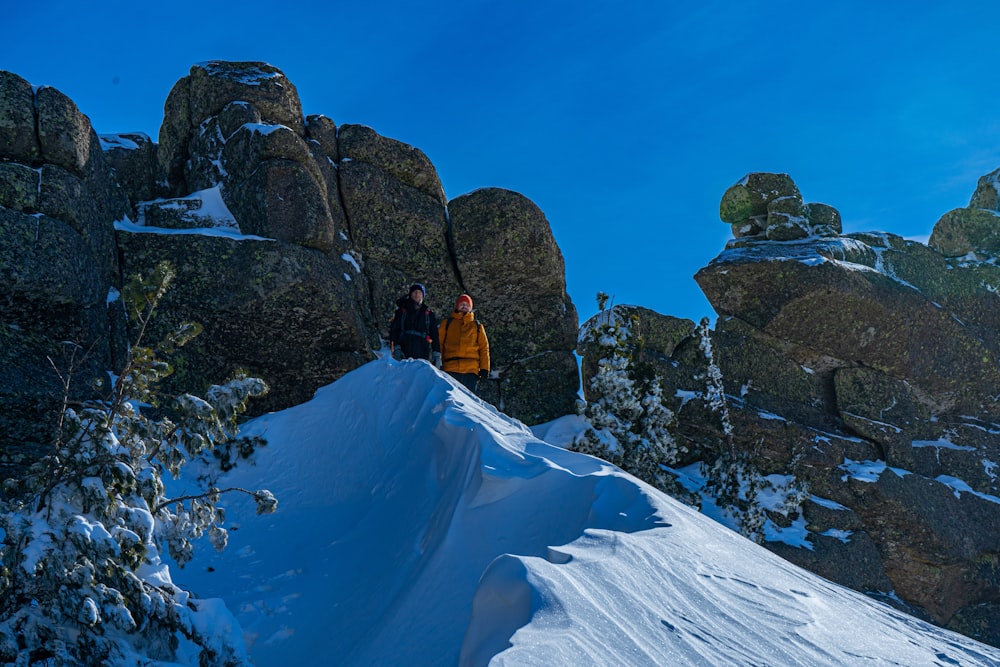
417 525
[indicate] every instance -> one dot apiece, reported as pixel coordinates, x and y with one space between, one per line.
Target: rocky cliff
858 376
292 238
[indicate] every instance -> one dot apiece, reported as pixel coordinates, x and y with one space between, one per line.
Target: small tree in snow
732 479
629 422
81 582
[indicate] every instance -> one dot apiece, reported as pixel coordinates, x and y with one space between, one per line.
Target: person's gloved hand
484 373
437 359
397 353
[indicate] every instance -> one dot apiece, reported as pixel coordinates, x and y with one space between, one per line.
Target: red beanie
466 298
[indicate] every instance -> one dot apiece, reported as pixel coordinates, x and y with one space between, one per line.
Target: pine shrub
81 578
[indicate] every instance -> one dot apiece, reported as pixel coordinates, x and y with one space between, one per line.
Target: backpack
427 322
479 327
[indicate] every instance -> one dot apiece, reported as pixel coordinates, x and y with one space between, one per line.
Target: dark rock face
408 164
52 292
204 94
285 313
17 109
870 317
865 368
240 125
521 298
401 234
274 188
292 239
58 264
132 158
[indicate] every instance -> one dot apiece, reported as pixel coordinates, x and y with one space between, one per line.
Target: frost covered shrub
81 580
732 480
749 499
715 393
629 421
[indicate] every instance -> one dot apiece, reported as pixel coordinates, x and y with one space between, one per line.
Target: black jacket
414 329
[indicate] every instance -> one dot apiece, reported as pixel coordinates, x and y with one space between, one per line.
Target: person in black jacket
413 332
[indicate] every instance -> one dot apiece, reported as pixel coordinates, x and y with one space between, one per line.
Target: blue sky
624 122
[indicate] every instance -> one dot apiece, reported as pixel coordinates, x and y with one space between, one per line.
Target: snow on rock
417 525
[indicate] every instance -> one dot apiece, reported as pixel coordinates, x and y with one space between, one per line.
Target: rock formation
862 370
973 231
58 262
770 206
291 238
858 372
532 324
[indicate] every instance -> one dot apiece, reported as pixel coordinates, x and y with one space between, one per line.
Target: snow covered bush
733 481
715 393
629 421
749 501
81 580
631 425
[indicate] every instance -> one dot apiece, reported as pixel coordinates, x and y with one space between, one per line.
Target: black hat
417 286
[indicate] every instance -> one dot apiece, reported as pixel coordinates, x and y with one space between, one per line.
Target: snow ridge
417 525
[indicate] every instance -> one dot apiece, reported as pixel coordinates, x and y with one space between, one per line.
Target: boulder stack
770 206
291 237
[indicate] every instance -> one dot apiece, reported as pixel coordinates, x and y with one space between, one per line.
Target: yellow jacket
464 346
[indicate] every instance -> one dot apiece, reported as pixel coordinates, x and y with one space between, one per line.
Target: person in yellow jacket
465 349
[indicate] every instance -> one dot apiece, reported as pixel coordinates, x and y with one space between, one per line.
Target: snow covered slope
418 526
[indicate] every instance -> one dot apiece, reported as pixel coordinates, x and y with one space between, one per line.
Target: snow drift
416 525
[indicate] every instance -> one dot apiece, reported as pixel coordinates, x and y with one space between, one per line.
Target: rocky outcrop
279 312
206 107
372 207
240 125
973 231
521 298
291 237
133 161
407 164
770 206
75 183
398 222
860 370
17 131
58 263
871 316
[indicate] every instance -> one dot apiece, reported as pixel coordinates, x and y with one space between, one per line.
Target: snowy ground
417 526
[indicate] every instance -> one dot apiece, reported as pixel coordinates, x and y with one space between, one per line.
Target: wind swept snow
418 526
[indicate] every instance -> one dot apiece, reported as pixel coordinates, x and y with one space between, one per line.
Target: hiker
465 350
413 330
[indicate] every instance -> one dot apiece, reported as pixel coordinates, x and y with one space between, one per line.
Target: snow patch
942 444
959 487
867 471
